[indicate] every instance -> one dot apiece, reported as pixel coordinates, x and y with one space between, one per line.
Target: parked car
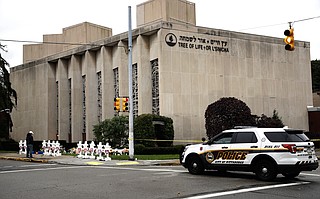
266 152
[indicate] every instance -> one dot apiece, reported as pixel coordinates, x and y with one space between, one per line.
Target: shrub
270 122
114 131
9 145
140 149
148 128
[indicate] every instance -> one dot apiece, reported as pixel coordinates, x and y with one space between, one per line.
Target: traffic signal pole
131 141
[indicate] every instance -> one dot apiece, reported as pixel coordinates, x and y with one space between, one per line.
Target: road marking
139 169
45 169
245 190
310 174
7 167
94 163
128 163
99 167
36 165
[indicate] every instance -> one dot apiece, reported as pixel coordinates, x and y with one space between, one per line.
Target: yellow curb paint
128 163
94 163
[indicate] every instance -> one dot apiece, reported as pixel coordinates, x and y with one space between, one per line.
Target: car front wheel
195 166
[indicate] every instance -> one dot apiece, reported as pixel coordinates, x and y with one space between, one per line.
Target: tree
8 97
114 131
226 113
315 72
268 122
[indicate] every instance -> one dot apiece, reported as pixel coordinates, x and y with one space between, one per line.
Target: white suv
264 151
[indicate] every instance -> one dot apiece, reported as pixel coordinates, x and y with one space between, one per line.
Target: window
116 86
246 137
99 97
286 137
224 138
70 109
135 90
155 86
84 127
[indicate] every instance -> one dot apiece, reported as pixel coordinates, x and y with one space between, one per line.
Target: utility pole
131 141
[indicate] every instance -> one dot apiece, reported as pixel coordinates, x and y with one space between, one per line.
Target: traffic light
289 39
117 104
125 104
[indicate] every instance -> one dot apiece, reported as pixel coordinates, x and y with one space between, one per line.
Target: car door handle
254 147
224 147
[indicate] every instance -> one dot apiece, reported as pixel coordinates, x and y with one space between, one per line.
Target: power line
281 23
79 44
262 26
306 19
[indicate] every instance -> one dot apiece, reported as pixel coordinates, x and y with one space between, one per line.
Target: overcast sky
30 19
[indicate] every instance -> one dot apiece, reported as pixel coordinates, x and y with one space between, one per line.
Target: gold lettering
220 154
243 156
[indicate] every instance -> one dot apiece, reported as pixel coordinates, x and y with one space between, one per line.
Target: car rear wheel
265 170
195 166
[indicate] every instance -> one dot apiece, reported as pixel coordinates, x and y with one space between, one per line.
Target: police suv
264 151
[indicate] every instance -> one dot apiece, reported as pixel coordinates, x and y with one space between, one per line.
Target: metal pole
131 141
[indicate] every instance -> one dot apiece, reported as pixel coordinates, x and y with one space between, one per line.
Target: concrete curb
86 162
24 159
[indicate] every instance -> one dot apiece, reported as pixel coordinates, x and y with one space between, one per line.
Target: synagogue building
178 69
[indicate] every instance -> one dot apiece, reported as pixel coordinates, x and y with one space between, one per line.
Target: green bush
142 150
139 148
148 128
267 122
9 145
114 131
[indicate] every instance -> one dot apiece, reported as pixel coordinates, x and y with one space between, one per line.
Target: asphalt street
20 179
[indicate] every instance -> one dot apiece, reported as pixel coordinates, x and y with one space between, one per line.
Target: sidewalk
71 160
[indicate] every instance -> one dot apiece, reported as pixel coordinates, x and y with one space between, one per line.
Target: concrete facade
178 68
316 99
71 37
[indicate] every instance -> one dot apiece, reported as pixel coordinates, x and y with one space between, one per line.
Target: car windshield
297 136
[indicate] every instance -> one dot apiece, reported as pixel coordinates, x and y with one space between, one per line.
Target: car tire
265 170
195 166
290 175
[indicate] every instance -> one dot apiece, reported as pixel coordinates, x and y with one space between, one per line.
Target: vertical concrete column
144 74
122 62
63 100
76 99
52 101
91 93
107 83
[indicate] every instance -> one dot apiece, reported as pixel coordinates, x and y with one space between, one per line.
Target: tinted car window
246 137
224 138
286 137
